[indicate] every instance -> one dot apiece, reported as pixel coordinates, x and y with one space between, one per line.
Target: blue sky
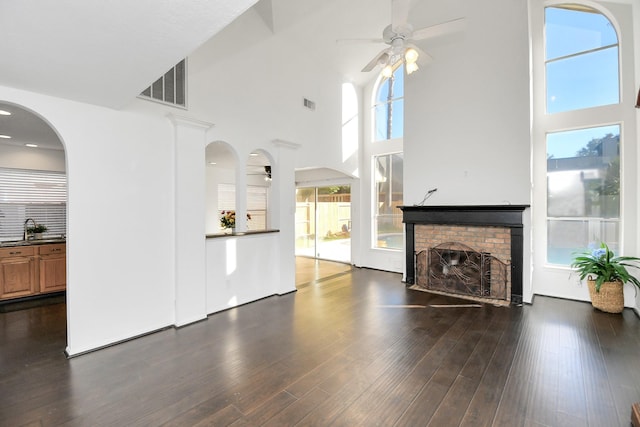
566 144
588 79
591 77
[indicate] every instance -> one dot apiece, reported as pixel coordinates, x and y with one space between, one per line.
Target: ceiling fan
400 36
264 171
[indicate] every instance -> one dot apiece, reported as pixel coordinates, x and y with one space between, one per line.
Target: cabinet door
17 277
53 273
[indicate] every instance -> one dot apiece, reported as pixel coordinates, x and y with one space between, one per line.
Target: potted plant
606 274
37 230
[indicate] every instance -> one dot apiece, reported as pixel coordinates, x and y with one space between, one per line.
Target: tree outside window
388 176
583 164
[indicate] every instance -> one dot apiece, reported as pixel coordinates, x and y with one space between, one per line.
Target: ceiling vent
309 104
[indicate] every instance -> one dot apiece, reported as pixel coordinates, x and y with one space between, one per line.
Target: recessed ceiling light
31 145
5 137
5 113
212 163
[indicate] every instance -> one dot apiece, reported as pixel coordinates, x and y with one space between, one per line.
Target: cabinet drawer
56 249
17 251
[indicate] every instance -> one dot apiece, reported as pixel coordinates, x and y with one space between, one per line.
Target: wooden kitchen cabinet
32 269
53 267
18 272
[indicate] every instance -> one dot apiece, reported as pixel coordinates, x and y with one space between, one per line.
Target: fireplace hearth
455 268
471 251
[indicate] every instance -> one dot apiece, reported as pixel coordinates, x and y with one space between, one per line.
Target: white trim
555 280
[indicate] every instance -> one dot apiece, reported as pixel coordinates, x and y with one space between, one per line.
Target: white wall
467 113
241 269
31 158
252 89
120 204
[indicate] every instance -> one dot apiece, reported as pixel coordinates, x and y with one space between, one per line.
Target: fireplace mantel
508 216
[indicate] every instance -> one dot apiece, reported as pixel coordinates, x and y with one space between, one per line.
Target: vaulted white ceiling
103 52
107 52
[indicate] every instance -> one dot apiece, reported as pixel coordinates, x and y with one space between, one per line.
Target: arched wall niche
221 165
259 171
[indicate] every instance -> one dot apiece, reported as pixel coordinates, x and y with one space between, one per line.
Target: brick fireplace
471 251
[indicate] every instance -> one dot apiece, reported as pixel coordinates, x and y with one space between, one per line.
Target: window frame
374 203
578 7
615 114
390 99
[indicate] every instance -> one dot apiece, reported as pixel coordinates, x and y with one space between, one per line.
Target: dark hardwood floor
353 348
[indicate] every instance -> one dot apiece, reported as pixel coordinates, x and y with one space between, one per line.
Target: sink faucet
24 237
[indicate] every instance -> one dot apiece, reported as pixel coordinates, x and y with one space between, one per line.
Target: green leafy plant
605 266
38 228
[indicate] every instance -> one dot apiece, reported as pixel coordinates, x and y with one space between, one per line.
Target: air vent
170 88
309 104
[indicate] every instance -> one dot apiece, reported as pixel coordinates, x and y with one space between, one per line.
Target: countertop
34 242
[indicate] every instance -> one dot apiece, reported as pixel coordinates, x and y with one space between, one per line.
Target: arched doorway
33 211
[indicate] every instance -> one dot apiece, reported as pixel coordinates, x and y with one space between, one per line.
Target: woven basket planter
610 298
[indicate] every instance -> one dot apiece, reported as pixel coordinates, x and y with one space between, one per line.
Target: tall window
388 176
581 59
583 190
389 107
583 164
387 169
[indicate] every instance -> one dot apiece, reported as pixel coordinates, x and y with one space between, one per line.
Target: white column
283 211
190 209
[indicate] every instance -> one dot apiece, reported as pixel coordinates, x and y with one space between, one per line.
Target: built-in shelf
238 234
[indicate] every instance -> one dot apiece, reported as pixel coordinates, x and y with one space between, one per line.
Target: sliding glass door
323 222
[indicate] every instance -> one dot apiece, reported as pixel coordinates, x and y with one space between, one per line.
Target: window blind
257 207
40 195
256 203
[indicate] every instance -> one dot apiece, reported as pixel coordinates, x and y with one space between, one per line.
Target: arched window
581 58
387 161
582 131
388 108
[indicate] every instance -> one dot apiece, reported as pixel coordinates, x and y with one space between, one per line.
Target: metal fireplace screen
458 269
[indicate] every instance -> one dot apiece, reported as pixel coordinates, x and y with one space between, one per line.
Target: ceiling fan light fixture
411 56
384 59
387 71
411 67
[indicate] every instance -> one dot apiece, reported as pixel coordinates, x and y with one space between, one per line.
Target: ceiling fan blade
399 14
351 41
438 30
374 62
